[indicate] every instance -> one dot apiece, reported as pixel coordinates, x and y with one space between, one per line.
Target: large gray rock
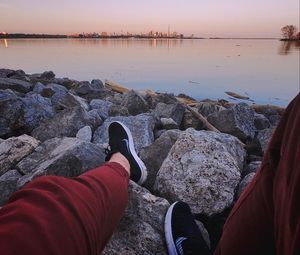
174 111
60 156
264 137
168 123
135 103
8 185
97 84
261 122
14 84
102 105
207 108
141 127
154 155
141 229
38 88
14 149
244 183
65 123
85 134
201 169
238 120
69 100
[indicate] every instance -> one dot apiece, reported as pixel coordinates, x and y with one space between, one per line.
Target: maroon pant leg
56 215
266 218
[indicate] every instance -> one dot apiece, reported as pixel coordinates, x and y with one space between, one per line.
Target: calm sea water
265 70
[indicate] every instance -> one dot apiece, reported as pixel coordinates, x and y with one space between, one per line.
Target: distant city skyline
206 18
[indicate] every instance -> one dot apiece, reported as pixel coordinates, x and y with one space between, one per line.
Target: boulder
154 154
141 230
252 167
190 121
244 183
135 103
85 134
237 120
203 170
6 73
66 82
141 127
97 84
264 137
8 185
207 108
16 85
174 111
60 156
168 123
117 110
38 88
69 100
65 123
102 105
261 122
83 88
14 149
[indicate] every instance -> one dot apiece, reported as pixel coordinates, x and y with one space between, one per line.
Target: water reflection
5 42
288 47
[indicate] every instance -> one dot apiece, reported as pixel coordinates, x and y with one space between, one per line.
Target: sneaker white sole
134 154
168 231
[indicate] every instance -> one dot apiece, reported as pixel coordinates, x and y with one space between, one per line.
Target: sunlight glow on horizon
207 18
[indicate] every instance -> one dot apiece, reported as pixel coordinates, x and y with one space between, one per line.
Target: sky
206 18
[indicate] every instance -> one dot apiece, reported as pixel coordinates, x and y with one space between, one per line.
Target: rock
38 88
252 167
261 122
19 75
95 118
201 169
168 123
264 136
14 84
274 119
154 154
47 75
244 183
190 121
207 108
83 88
64 123
174 111
116 110
141 127
69 100
60 156
85 134
101 105
238 120
97 84
6 73
14 149
141 229
1 140
105 94
8 185
204 232
135 103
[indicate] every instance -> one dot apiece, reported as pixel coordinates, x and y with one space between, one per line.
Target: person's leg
267 215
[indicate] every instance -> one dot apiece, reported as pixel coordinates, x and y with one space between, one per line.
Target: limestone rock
141 127
64 123
135 103
238 120
174 111
14 149
85 134
201 169
244 183
141 229
60 156
14 84
8 185
154 155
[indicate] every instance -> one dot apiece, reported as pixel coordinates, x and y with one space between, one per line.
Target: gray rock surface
190 121
261 122
244 183
69 100
141 127
38 88
102 105
117 110
60 156
154 155
207 108
65 123
141 229
238 120
202 169
85 134
252 167
8 184
264 137
135 103
168 123
15 84
14 149
97 84
174 111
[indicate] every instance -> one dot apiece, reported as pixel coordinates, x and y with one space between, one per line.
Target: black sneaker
120 140
182 233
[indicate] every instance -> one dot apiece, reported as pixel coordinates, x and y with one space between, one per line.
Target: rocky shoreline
57 126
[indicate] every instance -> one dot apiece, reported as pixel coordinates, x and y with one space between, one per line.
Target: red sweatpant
266 218
55 215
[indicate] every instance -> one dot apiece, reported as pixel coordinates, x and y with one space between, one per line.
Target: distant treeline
6 36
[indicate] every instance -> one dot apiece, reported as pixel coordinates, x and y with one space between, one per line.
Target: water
265 70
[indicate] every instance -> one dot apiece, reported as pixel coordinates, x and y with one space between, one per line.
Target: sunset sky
230 18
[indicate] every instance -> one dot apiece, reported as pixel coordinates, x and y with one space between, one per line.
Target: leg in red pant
266 217
56 215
